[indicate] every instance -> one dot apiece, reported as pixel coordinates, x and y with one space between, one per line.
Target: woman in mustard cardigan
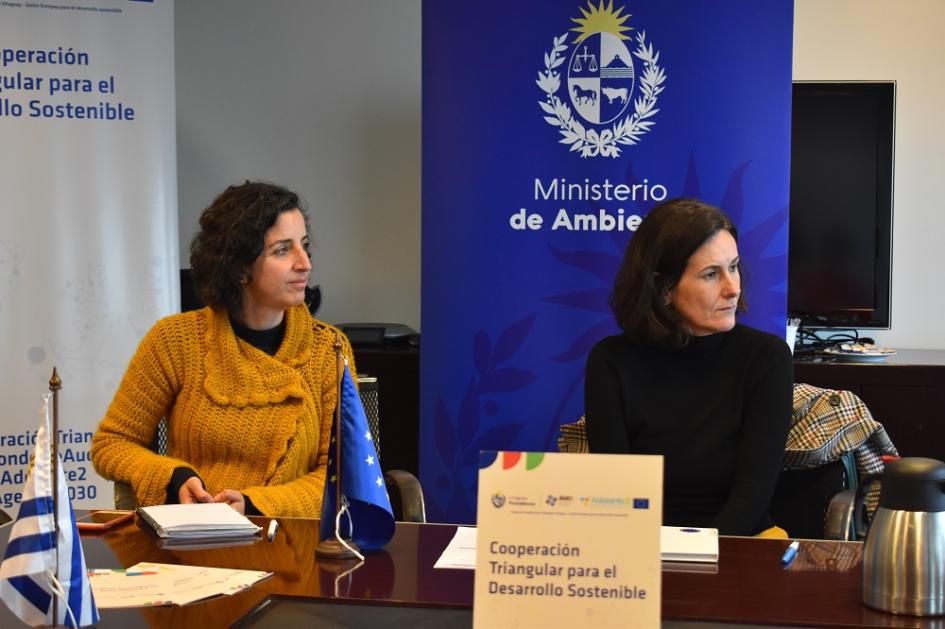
247 384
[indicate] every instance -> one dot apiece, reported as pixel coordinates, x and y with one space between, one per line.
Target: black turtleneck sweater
718 410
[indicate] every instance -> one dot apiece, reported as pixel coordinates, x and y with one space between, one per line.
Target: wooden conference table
399 586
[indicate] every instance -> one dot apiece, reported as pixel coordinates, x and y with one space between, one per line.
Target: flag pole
331 548
55 384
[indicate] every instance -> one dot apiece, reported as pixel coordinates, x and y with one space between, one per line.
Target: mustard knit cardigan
240 418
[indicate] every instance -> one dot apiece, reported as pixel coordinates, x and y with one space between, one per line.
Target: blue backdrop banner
550 128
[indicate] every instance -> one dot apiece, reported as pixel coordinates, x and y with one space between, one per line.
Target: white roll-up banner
88 216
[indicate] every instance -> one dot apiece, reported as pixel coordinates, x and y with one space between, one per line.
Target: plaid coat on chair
826 424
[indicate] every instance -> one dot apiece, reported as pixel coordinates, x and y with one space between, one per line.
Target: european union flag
641 503
369 517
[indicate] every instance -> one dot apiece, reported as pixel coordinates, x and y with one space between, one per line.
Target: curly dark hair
655 259
232 235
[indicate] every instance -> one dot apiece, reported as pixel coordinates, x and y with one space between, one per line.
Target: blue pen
790 553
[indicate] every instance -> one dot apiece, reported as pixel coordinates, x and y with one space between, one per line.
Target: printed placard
568 540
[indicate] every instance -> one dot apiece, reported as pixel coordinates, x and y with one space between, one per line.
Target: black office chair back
159 444
367 390
802 497
403 488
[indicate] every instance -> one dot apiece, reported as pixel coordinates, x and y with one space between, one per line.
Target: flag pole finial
55 383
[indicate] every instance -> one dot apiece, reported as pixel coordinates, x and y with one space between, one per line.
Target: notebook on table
687 543
214 520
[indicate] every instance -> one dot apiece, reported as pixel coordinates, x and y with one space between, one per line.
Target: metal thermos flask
904 556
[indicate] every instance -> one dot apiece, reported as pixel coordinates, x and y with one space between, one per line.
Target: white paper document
677 544
153 584
461 551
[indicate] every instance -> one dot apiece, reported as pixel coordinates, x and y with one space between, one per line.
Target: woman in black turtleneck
685 381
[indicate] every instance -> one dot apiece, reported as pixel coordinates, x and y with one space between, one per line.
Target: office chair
834 455
406 496
403 488
817 503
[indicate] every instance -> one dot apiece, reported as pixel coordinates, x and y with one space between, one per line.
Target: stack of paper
150 584
216 520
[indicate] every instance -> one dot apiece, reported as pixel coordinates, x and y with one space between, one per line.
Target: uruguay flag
28 578
369 516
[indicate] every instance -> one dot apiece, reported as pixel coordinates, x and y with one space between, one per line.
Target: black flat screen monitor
840 243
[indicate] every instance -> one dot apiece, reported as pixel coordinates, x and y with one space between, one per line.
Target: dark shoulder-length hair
655 259
232 235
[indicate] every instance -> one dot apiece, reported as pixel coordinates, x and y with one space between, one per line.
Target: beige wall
900 40
323 97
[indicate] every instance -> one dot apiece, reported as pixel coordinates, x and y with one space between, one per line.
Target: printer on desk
388 335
